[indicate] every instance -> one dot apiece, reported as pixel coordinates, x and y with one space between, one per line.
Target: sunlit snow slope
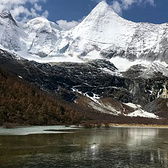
101 35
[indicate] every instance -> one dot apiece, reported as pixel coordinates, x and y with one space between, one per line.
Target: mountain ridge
101 35
87 85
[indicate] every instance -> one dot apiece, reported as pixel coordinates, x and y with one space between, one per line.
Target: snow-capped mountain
43 36
114 36
105 62
105 33
102 30
102 34
11 35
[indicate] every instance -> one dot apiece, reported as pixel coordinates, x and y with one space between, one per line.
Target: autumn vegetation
24 104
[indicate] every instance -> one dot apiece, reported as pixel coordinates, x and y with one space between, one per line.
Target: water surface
59 147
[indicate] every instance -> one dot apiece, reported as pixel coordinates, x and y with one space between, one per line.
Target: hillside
22 103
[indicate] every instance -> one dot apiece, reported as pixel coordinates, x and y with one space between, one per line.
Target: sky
68 13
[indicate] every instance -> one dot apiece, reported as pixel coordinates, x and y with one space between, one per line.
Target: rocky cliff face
98 82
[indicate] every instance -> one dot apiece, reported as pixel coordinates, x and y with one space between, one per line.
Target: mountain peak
103 7
102 13
103 27
42 23
5 14
103 3
39 19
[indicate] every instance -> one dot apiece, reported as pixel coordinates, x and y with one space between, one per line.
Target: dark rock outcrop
67 79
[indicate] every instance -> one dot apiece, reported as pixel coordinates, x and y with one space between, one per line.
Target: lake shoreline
108 125
137 125
94 125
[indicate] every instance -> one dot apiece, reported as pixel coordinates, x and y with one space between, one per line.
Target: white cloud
21 12
126 4
45 14
152 2
37 7
119 5
65 25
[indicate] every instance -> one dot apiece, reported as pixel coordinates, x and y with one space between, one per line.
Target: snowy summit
101 35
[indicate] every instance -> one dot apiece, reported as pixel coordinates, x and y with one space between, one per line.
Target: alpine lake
71 147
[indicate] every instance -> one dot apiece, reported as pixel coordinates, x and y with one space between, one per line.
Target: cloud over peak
65 25
120 5
23 10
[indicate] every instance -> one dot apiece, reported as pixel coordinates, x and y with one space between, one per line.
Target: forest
24 104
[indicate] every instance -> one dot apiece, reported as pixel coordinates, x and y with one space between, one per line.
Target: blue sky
73 11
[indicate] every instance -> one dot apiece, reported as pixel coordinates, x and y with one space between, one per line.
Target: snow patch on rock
139 112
